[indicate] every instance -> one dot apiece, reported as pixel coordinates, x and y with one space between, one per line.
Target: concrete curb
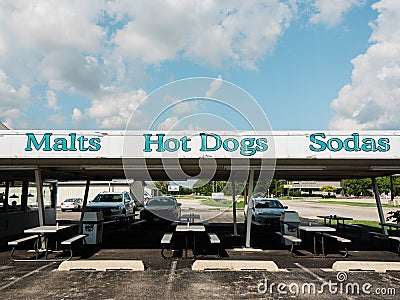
377 266
102 265
234 265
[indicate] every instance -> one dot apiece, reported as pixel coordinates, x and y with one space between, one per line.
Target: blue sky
310 64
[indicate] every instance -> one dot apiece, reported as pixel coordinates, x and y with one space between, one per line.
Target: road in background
309 209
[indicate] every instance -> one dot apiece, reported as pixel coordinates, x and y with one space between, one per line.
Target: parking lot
297 277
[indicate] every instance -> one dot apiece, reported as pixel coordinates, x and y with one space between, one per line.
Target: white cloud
57 119
214 86
207 32
114 107
186 107
77 117
69 70
372 99
37 34
82 48
99 50
52 100
13 100
168 123
331 12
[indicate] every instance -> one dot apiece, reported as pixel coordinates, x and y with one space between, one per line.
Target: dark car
161 209
266 211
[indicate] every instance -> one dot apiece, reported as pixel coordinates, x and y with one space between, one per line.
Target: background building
314 187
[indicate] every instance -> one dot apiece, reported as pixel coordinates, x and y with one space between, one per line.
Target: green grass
285 198
349 203
223 203
369 225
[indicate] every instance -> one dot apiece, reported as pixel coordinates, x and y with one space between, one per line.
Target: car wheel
79 208
63 210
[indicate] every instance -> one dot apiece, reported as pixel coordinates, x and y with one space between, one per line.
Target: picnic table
190 217
317 236
391 225
41 236
190 230
336 218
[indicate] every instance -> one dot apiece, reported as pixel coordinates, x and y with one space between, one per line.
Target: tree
358 187
328 189
203 187
261 187
162 186
363 187
383 184
277 186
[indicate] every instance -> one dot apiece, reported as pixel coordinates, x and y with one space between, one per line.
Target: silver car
72 204
111 203
266 211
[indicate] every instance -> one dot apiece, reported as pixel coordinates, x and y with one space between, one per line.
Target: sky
309 64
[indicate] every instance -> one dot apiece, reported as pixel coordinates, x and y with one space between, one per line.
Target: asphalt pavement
297 277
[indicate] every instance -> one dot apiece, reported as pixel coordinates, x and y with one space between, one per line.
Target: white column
249 207
39 193
379 205
234 207
137 190
85 199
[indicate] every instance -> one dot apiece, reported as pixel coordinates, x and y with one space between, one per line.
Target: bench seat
337 238
293 239
355 226
379 235
73 239
25 239
165 241
288 237
395 238
214 239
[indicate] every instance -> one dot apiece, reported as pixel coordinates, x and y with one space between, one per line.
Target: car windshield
268 204
108 198
161 202
71 200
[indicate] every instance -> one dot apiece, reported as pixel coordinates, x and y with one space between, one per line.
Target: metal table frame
190 229
42 241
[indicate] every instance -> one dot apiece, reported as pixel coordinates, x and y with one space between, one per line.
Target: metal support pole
5 199
234 207
39 193
249 208
24 195
245 193
391 190
85 199
379 205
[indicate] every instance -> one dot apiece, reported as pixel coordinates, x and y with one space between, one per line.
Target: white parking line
171 277
172 271
316 276
26 275
392 278
309 272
